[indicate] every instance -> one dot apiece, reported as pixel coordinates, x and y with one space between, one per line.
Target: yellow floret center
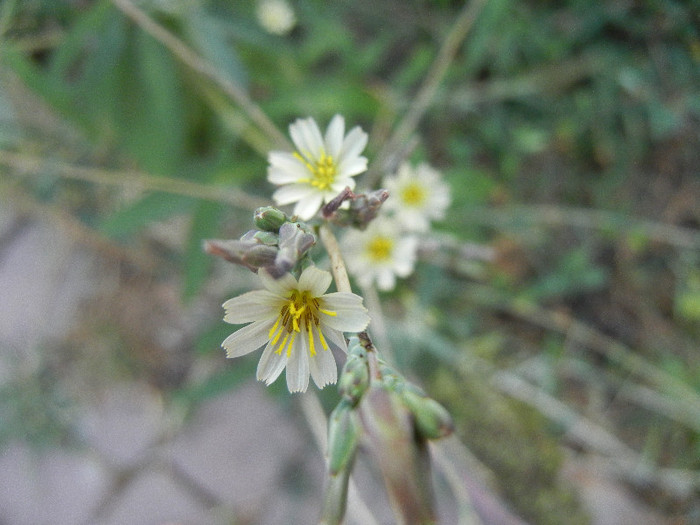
301 311
379 249
413 194
323 171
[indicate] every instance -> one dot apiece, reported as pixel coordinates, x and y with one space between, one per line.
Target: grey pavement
134 458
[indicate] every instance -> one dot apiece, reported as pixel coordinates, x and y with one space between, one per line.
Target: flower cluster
293 318
387 248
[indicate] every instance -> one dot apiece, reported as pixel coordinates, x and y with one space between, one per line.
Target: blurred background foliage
569 132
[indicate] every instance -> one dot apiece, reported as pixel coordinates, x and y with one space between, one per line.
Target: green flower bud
343 435
431 419
269 219
336 498
266 238
354 379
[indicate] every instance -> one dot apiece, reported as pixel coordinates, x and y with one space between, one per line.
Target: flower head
296 322
417 196
380 253
276 16
320 168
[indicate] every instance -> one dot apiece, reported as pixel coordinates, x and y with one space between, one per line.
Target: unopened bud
354 379
266 238
260 256
336 497
431 419
269 219
343 435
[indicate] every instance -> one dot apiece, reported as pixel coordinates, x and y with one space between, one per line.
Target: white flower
320 168
416 196
296 321
276 16
380 253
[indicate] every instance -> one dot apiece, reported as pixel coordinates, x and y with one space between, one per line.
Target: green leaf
135 217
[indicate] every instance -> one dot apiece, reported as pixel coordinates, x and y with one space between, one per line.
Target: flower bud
336 497
343 435
431 419
354 379
266 238
269 219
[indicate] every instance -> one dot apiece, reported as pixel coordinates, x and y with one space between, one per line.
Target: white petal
350 316
386 280
247 339
337 338
283 160
290 175
298 366
334 136
293 193
323 369
352 166
271 365
315 281
354 143
307 138
251 306
307 207
280 287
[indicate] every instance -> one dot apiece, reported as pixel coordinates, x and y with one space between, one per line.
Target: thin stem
340 273
432 81
25 204
317 421
379 329
6 13
523 216
37 165
188 57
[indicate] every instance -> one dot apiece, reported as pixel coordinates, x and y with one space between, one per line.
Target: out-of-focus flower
417 196
380 253
295 320
320 168
276 16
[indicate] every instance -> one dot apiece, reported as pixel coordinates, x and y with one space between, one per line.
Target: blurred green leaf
204 225
136 216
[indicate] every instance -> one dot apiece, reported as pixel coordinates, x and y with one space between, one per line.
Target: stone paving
238 459
137 461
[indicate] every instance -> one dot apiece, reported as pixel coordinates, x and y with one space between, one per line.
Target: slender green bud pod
266 238
269 219
343 435
431 419
390 377
390 434
336 497
354 379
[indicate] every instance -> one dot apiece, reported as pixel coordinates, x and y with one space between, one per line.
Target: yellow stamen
300 311
277 337
322 173
323 340
413 195
281 346
379 249
274 327
291 342
312 346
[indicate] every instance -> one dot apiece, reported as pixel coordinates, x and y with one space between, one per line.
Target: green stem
188 57
37 165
